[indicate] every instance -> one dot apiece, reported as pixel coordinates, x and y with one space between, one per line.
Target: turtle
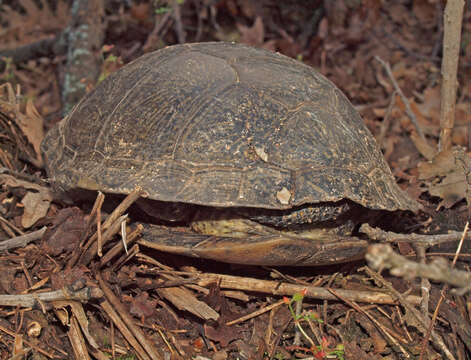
262 158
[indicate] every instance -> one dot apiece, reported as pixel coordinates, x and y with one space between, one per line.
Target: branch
35 300
382 256
84 40
49 47
451 53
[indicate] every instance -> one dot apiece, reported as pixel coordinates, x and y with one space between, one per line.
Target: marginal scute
222 124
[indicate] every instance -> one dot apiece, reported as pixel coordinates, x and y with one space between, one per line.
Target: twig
422 319
199 13
386 120
425 240
100 198
297 330
256 313
90 248
453 18
119 246
178 22
88 227
108 234
409 111
123 206
111 297
121 325
99 234
32 300
383 329
77 340
23 240
30 344
160 22
382 256
84 38
133 251
425 283
49 47
277 288
442 296
11 225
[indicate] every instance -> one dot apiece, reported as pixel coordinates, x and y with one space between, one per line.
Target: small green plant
127 357
8 74
111 63
165 8
321 351
162 10
279 356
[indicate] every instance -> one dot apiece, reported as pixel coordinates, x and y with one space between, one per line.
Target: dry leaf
221 333
142 306
36 15
29 122
36 201
425 11
446 176
65 233
430 106
252 35
36 205
32 125
425 149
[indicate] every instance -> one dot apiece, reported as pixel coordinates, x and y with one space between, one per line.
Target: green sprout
321 351
162 10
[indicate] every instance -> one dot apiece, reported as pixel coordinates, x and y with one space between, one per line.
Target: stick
451 51
32 300
23 240
409 111
123 313
280 288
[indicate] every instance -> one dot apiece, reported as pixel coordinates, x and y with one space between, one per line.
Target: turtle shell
221 124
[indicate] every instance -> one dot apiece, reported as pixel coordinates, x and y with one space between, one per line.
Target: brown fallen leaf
70 277
36 202
36 205
221 333
252 35
142 306
446 176
425 11
255 35
66 231
425 149
28 120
